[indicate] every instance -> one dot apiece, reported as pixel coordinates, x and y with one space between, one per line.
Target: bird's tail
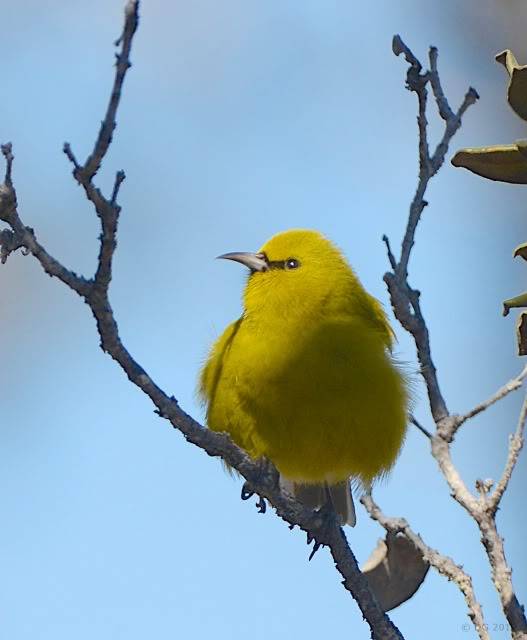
319 495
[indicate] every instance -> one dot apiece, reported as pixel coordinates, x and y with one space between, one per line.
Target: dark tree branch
7 152
406 306
95 292
22 237
120 177
122 64
391 257
420 427
405 300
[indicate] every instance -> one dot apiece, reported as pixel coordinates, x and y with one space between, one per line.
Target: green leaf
517 89
521 251
518 301
506 163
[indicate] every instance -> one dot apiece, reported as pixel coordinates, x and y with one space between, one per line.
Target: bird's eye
292 263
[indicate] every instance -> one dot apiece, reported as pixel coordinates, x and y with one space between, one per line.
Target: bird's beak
254 261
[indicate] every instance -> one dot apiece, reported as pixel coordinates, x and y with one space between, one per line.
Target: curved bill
254 261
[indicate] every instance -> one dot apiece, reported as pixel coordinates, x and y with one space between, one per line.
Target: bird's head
295 273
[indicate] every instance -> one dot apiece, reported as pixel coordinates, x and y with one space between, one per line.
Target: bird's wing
375 315
211 372
219 388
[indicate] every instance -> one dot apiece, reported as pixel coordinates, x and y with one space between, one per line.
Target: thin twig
509 387
443 564
22 237
398 47
442 103
122 64
7 152
391 257
515 446
70 155
453 124
417 424
120 176
407 309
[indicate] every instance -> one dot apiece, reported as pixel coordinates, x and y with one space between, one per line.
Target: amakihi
305 376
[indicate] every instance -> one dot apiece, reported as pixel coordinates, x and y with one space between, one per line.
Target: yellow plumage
305 377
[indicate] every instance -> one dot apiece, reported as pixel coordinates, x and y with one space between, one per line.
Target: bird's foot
266 474
328 521
248 492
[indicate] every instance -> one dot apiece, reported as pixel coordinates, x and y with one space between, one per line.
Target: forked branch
443 564
406 305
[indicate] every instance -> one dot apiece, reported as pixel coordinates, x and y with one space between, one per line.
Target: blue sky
239 120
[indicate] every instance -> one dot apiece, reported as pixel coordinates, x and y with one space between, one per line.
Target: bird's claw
248 492
260 505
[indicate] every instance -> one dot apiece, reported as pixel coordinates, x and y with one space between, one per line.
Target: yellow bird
305 377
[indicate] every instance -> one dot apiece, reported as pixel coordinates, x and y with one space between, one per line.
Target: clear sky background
239 119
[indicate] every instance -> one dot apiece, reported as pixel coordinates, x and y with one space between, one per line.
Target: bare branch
20 236
453 124
443 564
415 81
502 577
503 391
71 156
515 446
417 424
122 65
407 309
481 510
428 166
7 152
391 257
398 47
483 487
406 306
442 103
405 300
107 209
458 489
9 243
120 177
